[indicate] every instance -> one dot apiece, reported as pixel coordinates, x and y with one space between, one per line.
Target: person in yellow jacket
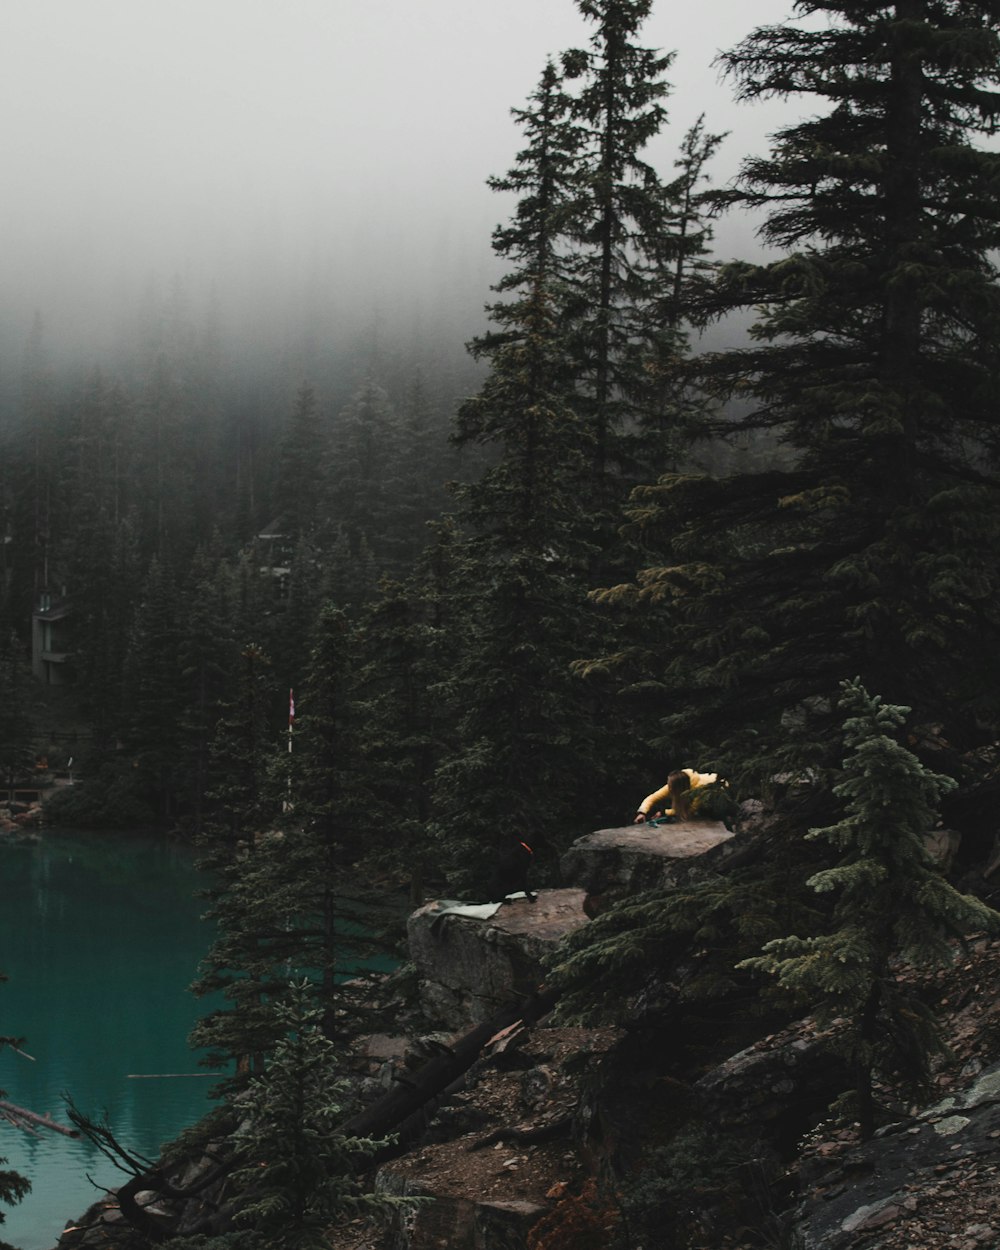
678 791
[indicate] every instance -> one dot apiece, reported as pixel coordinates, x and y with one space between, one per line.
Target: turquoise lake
100 937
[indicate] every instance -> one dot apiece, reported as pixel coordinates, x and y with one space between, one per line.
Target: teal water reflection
100 937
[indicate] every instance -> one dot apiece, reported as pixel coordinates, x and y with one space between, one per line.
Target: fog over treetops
288 167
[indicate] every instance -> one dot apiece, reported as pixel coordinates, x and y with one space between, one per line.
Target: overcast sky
346 141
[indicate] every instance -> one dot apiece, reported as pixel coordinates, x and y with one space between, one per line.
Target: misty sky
255 147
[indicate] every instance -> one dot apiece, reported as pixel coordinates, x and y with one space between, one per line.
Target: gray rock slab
880 1183
638 857
469 968
455 1220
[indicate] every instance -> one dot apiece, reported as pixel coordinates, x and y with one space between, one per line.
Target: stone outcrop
771 1084
470 967
526 1113
640 857
459 1221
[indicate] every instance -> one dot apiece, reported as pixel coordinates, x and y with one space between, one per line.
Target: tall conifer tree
15 729
894 911
329 803
245 959
626 245
868 548
405 724
153 704
516 767
303 465
367 448
206 656
297 1174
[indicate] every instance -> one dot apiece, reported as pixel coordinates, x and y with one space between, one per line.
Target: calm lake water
100 937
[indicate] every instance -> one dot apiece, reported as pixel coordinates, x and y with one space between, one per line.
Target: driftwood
27 1120
403 1106
403 1103
144 1174
168 1076
159 1228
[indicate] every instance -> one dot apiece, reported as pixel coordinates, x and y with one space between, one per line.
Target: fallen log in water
22 1118
167 1076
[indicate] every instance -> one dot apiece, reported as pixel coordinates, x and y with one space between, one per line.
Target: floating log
25 1119
167 1076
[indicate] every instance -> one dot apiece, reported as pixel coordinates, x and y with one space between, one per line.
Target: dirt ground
533 1079
528 1083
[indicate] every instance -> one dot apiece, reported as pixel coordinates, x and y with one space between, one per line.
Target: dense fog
291 176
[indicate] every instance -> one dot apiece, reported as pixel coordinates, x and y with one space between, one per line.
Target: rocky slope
558 1138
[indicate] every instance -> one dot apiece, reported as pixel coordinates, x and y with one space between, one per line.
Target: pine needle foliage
626 245
13 1186
298 1173
404 653
866 545
243 962
281 899
684 942
303 457
519 755
895 913
15 730
574 399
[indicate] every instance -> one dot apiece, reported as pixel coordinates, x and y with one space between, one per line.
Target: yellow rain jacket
697 779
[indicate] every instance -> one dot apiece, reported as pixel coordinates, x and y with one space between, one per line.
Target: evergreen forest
368 621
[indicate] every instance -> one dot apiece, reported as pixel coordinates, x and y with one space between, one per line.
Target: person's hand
640 818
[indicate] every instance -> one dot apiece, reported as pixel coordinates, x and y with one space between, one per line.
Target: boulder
780 1084
638 857
470 967
458 1221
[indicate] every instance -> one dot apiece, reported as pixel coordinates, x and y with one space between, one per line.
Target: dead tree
403 1103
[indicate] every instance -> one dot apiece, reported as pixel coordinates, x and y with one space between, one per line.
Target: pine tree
244 961
691 209
298 1172
153 699
296 822
13 1186
206 654
425 466
295 613
366 467
303 466
673 419
164 455
517 766
894 914
405 724
623 225
99 549
15 729
875 363
29 480
331 805
350 577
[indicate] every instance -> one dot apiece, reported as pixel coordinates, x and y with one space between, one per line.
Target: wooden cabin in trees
51 654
